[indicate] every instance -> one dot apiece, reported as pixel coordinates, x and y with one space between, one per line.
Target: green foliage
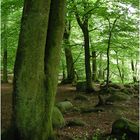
124 35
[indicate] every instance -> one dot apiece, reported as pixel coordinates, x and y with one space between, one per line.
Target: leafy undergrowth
97 123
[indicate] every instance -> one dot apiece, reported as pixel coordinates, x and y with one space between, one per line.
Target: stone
64 106
124 126
81 97
57 118
76 122
119 96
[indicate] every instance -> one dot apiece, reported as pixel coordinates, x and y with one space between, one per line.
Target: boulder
76 122
64 106
81 97
91 109
119 96
57 118
116 86
124 126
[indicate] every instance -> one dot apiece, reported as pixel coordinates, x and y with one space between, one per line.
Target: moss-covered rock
81 86
119 96
57 118
116 86
64 106
124 126
91 109
76 122
81 97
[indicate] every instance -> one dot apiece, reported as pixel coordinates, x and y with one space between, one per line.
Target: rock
81 97
81 86
76 122
76 109
91 109
124 126
119 96
57 118
116 86
64 106
112 90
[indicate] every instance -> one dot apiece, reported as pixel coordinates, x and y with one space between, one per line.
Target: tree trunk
94 66
100 76
34 89
121 73
52 55
5 76
133 71
69 59
89 86
108 59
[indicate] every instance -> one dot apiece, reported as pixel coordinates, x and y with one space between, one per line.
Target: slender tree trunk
133 71
123 70
69 58
5 74
63 71
89 86
108 59
94 66
34 89
70 65
100 68
120 72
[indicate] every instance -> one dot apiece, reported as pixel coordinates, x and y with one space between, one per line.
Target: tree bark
35 81
100 76
108 59
133 71
84 27
94 66
89 86
52 55
69 58
5 73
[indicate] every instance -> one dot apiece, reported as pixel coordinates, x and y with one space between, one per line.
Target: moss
81 97
57 118
76 122
119 96
91 110
64 106
125 126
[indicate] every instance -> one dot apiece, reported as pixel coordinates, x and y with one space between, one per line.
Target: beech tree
36 69
68 54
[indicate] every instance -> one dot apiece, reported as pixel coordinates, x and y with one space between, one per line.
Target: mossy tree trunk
34 83
5 73
94 66
52 54
68 54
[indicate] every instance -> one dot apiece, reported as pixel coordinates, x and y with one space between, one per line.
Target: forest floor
96 122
